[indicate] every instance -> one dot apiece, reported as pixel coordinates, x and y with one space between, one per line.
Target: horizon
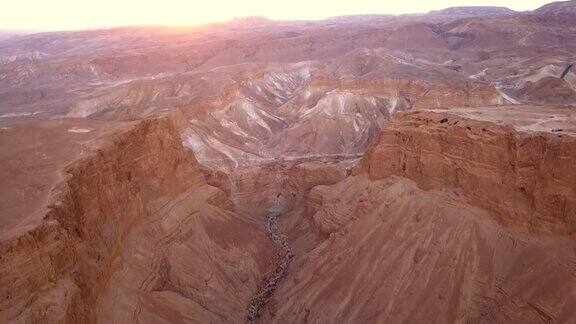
68 15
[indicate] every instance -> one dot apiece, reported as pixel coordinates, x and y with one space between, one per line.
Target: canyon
358 169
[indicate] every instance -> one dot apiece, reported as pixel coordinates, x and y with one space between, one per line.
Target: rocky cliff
122 226
452 217
524 177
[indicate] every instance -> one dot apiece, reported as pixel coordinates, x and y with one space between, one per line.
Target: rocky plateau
358 169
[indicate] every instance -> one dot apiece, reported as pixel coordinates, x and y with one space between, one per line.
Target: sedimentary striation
414 168
125 233
449 218
524 176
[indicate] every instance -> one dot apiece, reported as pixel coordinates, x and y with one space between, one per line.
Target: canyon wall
393 252
284 186
434 226
526 178
59 271
253 189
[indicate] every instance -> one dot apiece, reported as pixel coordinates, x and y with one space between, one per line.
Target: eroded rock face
191 260
122 228
395 252
310 109
254 189
415 234
526 178
453 215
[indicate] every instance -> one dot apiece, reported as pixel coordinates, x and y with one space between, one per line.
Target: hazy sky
79 14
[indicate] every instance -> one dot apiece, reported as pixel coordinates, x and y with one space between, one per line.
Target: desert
415 168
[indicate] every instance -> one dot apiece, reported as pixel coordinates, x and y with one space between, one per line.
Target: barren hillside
358 169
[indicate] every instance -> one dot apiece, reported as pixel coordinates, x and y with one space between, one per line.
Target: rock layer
408 238
454 215
524 177
394 252
123 212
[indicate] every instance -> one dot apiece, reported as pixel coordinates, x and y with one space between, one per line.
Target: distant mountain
249 21
359 18
9 33
559 7
5 34
467 11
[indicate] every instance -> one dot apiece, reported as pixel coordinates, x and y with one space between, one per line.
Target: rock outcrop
447 219
124 236
369 168
393 252
526 178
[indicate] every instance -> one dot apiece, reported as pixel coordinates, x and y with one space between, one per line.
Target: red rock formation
129 211
397 253
454 215
526 178
448 219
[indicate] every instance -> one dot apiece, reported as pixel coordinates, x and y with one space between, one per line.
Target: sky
82 14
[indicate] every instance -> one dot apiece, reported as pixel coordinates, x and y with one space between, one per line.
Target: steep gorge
358 169
135 232
450 215
131 229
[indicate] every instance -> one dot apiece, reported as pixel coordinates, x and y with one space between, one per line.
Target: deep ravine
266 290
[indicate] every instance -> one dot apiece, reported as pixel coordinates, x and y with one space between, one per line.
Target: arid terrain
360 169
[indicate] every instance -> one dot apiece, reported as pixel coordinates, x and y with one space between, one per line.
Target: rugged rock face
313 109
193 260
394 252
422 231
526 178
122 228
220 174
254 189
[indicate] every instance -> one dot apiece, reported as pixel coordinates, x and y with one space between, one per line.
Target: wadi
416 168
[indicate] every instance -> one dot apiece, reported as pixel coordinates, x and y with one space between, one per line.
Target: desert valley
412 168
